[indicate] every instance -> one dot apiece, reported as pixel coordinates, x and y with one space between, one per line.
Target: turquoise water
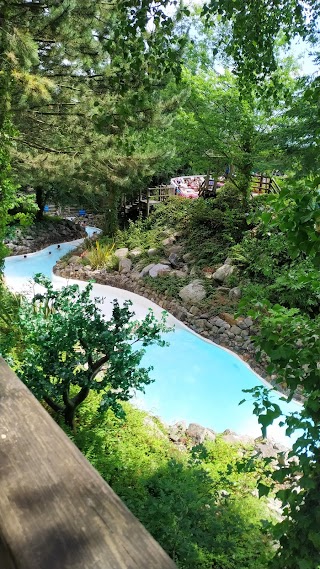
195 380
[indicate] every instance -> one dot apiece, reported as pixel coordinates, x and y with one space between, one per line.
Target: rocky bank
26 240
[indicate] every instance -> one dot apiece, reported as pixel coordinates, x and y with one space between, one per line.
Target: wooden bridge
56 512
147 199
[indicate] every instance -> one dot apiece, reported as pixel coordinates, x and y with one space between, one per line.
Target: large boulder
125 265
223 273
121 253
159 269
199 434
193 292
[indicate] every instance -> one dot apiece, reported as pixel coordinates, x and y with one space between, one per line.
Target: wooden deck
56 512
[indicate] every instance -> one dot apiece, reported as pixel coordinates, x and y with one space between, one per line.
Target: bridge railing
56 512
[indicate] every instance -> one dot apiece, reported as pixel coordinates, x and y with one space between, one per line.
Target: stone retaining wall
40 235
224 330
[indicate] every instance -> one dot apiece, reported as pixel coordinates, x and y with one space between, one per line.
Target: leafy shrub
167 285
102 257
195 503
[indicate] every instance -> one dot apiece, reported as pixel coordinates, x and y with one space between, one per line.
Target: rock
223 273
199 434
235 330
152 252
269 449
228 261
145 270
175 249
153 428
248 322
216 321
193 292
177 431
174 260
223 289
187 257
235 293
231 437
135 275
74 260
168 241
200 324
125 265
121 253
228 318
195 310
159 269
135 252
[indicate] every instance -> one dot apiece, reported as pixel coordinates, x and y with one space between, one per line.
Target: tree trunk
110 221
40 200
69 413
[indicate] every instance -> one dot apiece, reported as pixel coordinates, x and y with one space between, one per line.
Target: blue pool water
195 380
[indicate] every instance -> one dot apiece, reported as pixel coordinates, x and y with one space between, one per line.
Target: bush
102 257
195 503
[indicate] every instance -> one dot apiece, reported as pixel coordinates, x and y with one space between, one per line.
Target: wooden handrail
56 512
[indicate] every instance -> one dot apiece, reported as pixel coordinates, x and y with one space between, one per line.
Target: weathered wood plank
56 512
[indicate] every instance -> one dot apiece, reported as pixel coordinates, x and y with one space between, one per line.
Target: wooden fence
146 199
264 185
56 512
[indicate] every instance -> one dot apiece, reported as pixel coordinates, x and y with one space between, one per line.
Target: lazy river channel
195 380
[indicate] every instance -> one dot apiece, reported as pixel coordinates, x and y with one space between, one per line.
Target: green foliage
70 349
10 332
289 335
195 503
101 256
296 212
167 285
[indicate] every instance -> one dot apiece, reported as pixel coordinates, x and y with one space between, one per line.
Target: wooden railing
56 512
264 185
145 200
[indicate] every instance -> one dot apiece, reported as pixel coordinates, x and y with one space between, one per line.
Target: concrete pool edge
175 322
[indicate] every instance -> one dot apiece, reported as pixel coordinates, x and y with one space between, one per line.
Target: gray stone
159 269
146 269
231 437
228 261
216 321
235 330
174 260
125 265
200 324
121 253
244 333
223 273
235 293
152 252
248 322
199 434
193 292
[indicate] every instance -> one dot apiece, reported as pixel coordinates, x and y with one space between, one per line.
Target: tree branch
53 404
47 149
